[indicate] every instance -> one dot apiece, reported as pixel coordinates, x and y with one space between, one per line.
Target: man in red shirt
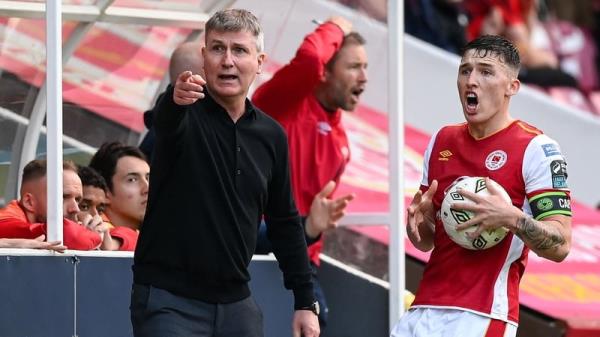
93 204
467 292
126 173
26 218
307 96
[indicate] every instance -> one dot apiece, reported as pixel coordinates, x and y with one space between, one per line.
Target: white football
452 217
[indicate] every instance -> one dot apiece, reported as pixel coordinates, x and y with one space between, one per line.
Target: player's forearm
545 238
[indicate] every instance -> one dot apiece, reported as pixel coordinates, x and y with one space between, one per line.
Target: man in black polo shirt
220 164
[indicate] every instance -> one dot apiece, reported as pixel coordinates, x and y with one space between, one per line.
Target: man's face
37 191
347 78
231 62
129 195
72 193
485 84
93 201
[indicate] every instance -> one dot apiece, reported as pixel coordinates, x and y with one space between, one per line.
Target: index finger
183 77
464 206
470 195
347 197
197 79
432 189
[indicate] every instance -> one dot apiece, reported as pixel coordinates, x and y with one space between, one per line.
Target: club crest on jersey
323 128
495 160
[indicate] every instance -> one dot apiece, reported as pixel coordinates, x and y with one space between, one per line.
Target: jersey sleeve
289 85
12 228
78 237
545 176
127 236
426 156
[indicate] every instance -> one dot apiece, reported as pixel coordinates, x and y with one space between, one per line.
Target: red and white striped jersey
531 168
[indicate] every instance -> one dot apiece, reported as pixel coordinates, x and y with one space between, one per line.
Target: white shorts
437 322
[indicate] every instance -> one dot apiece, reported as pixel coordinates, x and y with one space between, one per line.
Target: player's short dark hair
496 46
353 38
89 177
37 168
106 158
34 170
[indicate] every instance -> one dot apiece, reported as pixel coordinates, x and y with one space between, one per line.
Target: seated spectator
37 243
26 218
439 22
185 57
126 172
514 20
568 35
93 205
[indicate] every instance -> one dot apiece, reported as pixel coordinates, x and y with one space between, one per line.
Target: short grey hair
236 20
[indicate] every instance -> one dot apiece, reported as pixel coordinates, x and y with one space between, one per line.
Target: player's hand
324 212
305 324
420 211
345 25
491 211
188 88
93 223
40 243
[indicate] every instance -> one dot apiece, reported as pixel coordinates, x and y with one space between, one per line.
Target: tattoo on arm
540 235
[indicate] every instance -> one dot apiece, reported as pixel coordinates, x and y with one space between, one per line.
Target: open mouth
228 77
472 100
356 92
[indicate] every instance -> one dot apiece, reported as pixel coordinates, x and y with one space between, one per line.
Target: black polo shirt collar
249 111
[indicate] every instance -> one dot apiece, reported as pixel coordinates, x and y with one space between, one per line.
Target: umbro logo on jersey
495 160
445 155
323 128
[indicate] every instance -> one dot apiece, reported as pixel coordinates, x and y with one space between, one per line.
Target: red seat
594 98
571 97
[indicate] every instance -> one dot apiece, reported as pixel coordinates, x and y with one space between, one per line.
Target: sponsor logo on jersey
545 204
550 150
558 171
323 128
495 160
445 155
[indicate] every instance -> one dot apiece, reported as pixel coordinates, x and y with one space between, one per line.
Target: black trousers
156 312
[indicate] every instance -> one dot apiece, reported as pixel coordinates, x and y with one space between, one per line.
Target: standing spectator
514 19
26 218
219 165
93 204
530 167
439 22
307 96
